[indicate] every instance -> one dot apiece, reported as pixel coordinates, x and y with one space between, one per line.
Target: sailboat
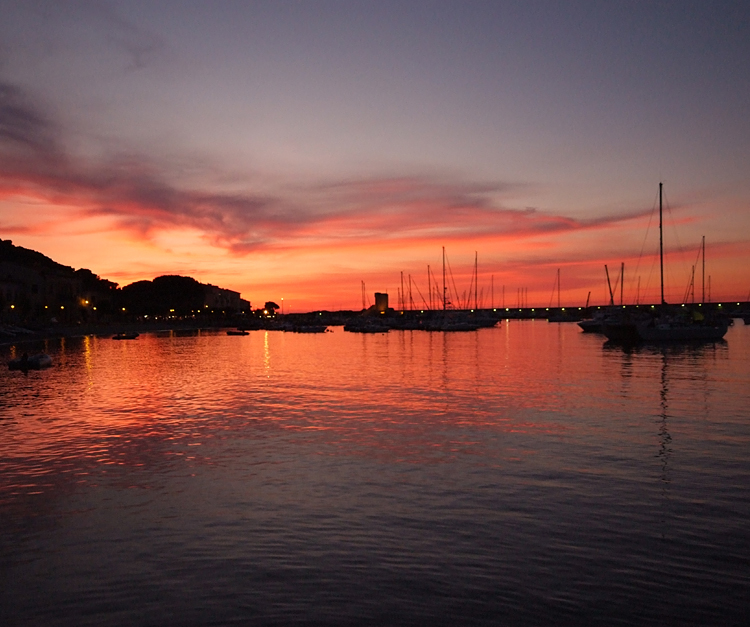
669 323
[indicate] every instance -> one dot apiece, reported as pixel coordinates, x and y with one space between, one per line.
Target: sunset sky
294 149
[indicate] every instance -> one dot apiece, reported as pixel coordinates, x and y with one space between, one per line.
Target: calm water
522 475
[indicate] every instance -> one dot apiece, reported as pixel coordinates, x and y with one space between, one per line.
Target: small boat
458 325
366 326
125 336
238 332
35 362
310 328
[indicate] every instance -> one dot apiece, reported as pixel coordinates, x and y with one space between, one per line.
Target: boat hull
682 333
35 362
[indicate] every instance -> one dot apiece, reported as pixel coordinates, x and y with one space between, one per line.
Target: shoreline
24 335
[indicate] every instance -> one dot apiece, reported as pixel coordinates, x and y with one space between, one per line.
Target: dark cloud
22 124
139 196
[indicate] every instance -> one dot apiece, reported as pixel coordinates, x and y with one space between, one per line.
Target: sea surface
528 474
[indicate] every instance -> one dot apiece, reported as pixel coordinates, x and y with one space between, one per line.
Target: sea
527 474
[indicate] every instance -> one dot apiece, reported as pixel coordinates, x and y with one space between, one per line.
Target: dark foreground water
522 475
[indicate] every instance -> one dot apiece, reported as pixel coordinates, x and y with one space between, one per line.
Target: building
381 302
221 299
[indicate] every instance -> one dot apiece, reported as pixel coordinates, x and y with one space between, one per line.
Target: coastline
11 335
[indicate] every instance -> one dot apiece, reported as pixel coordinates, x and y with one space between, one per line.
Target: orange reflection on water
503 395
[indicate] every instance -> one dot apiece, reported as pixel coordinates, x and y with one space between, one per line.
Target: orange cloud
314 243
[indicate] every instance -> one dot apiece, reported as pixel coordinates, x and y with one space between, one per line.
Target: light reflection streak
266 355
665 443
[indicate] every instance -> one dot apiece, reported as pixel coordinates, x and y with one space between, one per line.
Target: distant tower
381 302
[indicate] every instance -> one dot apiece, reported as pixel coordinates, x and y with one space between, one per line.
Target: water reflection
524 469
665 441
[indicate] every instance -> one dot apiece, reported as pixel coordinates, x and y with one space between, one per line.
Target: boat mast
403 294
609 287
703 296
558 288
444 288
622 280
476 282
692 286
661 247
429 284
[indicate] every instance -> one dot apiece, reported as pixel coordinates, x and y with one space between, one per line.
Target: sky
293 150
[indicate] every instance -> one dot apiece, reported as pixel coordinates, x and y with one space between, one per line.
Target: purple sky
296 148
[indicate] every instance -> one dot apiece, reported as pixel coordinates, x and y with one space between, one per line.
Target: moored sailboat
665 323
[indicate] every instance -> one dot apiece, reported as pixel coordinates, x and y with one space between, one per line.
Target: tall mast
661 247
476 282
429 284
622 280
703 296
558 288
692 287
444 288
403 296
